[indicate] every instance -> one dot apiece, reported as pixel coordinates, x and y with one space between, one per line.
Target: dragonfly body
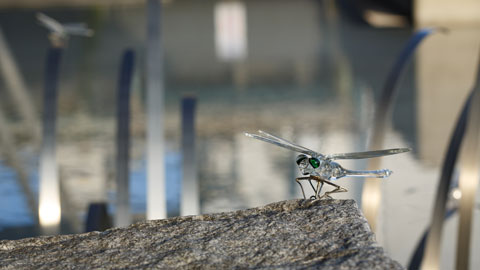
331 170
322 168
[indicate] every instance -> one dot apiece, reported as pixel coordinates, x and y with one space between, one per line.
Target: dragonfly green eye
314 162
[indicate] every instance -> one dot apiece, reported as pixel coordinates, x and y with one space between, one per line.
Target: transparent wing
80 29
282 143
50 23
266 134
369 154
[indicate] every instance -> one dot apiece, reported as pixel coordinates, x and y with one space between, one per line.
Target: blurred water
13 207
138 187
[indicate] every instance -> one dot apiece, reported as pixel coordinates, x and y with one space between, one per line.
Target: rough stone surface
296 234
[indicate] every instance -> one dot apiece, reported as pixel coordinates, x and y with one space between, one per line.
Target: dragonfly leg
319 188
313 197
336 190
316 190
327 194
298 181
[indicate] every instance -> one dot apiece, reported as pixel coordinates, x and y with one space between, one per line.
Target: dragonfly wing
282 143
80 29
281 140
50 23
368 154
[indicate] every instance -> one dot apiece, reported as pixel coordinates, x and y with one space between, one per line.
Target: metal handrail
464 140
371 196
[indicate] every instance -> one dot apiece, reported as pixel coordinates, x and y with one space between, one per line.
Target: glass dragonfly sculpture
322 168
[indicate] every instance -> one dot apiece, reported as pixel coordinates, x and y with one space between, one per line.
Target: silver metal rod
18 90
190 203
122 202
156 193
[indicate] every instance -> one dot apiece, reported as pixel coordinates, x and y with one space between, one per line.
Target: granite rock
296 234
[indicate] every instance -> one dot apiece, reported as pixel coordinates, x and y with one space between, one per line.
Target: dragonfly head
307 164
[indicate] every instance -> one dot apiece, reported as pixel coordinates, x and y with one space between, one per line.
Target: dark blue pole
190 204
54 56
122 217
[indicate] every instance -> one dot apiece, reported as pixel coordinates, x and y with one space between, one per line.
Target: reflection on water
306 77
12 195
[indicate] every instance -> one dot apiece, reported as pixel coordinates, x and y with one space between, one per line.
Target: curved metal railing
466 141
371 196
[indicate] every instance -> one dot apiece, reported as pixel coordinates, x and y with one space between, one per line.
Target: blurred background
308 71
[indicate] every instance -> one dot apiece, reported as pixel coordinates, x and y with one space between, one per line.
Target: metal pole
17 89
49 187
156 194
122 215
49 197
190 204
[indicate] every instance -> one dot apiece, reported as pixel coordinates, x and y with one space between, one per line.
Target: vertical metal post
156 194
190 204
49 187
49 197
122 202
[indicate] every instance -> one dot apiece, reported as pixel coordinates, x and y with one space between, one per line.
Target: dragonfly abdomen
331 170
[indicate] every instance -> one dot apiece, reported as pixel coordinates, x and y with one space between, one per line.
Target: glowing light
49 214
457 194
49 209
383 19
371 198
230 30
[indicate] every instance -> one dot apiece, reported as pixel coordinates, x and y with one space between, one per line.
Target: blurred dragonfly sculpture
59 32
322 169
